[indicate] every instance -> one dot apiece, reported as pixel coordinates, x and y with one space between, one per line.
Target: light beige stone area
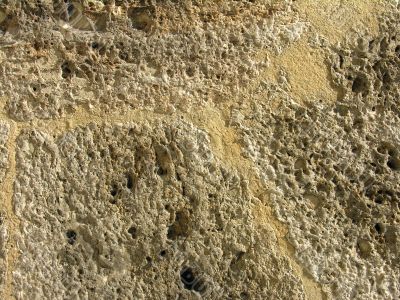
199 149
334 20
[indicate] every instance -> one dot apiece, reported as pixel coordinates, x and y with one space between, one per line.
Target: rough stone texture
4 131
3 253
135 54
336 169
122 211
218 149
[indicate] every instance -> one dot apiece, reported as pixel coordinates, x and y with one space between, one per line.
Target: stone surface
3 253
336 169
136 54
199 149
4 131
132 211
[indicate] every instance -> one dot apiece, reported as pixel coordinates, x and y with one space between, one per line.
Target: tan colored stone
251 145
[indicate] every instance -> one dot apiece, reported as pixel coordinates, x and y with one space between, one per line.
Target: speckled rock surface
135 54
336 170
3 241
4 131
199 149
132 211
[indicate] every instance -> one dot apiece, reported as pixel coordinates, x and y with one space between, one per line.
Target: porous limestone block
153 56
138 211
336 169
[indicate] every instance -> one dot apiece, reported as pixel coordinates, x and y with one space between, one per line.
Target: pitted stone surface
4 132
158 55
3 252
132 211
216 149
335 169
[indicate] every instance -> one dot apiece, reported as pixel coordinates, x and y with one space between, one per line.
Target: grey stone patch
138 212
129 65
336 170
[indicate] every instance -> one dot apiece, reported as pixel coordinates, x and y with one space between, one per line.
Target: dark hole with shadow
191 281
71 236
